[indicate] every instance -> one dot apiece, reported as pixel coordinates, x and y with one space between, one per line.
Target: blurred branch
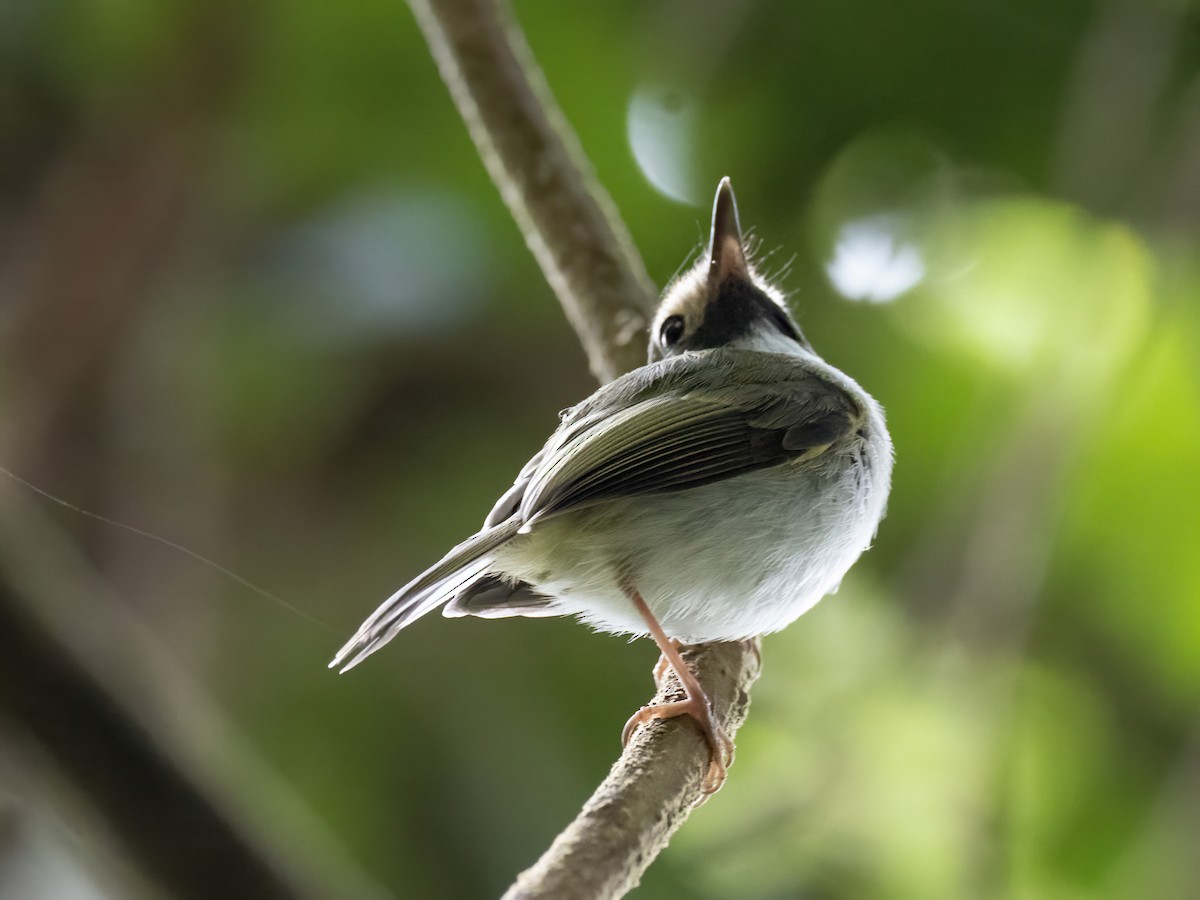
536 162
100 227
156 813
585 252
104 220
130 737
1114 103
132 734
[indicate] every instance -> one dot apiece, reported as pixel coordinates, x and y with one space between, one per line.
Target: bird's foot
720 747
695 702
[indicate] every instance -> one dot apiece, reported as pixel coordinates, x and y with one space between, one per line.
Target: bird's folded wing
695 425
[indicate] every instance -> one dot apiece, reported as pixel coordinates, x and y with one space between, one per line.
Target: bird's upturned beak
726 254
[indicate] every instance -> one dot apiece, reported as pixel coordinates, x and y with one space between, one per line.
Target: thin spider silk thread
179 548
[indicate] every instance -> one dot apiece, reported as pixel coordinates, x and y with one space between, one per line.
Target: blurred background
259 298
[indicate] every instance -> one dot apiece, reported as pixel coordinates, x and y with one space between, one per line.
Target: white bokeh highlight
872 263
662 135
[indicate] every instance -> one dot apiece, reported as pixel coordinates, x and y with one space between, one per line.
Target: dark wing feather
493 596
693 427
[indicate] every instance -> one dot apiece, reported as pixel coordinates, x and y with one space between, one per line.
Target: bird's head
722 301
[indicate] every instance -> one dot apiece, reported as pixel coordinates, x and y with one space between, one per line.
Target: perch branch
536 162
648 793
584 250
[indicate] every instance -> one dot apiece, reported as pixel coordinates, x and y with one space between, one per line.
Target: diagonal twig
536 162
588 259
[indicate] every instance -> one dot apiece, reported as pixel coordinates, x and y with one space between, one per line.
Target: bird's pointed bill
727 255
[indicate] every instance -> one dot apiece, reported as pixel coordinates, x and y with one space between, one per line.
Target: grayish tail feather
425 593
494 597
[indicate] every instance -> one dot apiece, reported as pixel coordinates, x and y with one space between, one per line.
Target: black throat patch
738 307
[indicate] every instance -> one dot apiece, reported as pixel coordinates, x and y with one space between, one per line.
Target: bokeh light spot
872 263
662 129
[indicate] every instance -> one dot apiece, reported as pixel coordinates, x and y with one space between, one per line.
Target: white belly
725 561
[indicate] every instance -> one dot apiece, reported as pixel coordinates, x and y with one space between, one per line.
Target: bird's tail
425 593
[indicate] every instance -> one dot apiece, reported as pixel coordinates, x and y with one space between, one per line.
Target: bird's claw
719 745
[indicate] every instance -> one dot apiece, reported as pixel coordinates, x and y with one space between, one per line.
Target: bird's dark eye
671 331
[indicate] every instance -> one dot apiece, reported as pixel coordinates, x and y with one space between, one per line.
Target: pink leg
664 665
695 703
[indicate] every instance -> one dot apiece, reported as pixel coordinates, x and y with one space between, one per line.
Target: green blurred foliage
332 351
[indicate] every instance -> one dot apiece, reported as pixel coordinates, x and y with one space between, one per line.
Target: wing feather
690 432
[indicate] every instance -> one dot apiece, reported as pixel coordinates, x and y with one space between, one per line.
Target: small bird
714 494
